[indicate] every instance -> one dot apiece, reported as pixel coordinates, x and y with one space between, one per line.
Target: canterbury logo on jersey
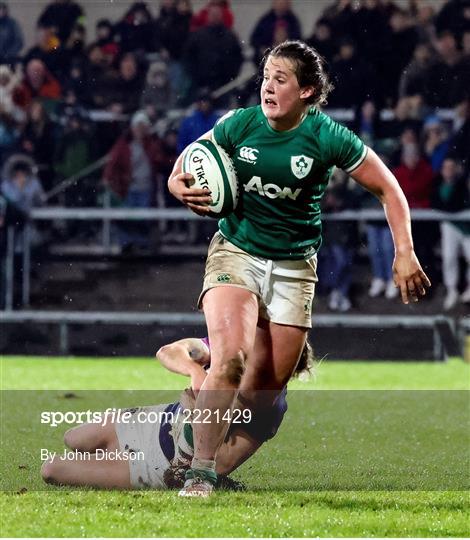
250 155
272 191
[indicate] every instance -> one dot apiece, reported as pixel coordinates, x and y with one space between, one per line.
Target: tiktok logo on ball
200 172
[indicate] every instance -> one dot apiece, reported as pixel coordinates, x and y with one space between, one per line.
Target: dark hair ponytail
306 363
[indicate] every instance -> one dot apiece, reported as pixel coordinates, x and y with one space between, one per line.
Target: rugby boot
199 483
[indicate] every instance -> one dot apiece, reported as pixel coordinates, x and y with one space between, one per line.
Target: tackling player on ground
166 446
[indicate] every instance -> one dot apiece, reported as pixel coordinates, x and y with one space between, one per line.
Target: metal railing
437 324
109 215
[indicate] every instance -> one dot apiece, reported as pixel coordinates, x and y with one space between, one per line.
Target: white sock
203 464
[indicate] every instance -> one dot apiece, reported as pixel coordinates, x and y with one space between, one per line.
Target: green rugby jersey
282 175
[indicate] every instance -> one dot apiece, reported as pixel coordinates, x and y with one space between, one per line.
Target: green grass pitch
46 511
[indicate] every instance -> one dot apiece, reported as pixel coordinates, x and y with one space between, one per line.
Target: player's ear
306 92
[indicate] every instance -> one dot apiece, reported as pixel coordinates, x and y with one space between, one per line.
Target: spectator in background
37 83
9 135
367 123
460 140
452 194
435 142
8 83
381 254
170 154
157 94
413 79
453 16
12 115
207 64
73 50
23 191
424 19
341 241
46 49
20 185
57 56
408 137
77 84
132 173
10 215
61 16
172 231
70 104
389 8
101 77
408 113
379 240
415 176
279 18
134 32
448 79
369 27
11 36
201 18
351 76
399 49
105 40
340 15
172 28
199 122
322 40
171 34
74 152
126 90
38 140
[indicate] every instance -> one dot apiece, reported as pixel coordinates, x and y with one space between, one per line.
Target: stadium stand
69 102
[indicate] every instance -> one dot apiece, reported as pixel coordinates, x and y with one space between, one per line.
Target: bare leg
90 437
274 359
89 472
231 315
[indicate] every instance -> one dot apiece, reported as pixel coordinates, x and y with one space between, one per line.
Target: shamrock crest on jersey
301 166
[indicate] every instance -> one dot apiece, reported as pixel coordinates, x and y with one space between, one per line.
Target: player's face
282 99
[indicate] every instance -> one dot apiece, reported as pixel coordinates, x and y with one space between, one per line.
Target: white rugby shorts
285 289
143 436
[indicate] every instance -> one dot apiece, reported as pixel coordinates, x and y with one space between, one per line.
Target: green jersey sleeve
345 148
228 130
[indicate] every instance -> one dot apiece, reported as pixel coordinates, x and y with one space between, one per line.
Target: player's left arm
408 275
236 449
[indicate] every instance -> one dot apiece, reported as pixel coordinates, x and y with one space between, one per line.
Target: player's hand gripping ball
213 169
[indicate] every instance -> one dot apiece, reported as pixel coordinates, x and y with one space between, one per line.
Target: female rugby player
284 151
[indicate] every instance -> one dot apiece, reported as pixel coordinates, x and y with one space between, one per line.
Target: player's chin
270 112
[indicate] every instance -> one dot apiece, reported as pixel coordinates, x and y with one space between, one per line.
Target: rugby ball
213 169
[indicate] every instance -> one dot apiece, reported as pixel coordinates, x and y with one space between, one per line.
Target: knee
71 438
49 471
232 368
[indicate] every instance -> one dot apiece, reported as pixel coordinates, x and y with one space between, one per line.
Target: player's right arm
195 199
186 357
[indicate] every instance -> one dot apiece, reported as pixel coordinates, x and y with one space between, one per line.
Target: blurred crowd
402 72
